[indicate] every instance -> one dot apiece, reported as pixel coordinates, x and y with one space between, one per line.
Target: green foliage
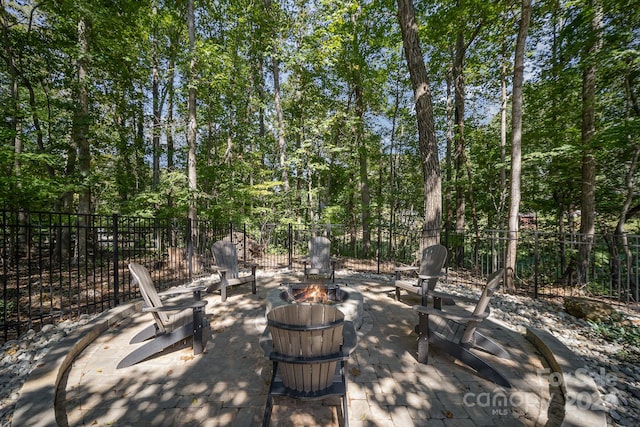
618 329
334 59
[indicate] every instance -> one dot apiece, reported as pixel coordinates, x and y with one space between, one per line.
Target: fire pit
346 299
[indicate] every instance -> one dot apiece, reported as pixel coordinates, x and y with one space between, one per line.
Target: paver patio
227 385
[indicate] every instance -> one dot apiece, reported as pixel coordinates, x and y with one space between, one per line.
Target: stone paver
227 385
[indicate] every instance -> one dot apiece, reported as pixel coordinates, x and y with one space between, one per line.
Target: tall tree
192 129
432 191
588 201
516 144
80 134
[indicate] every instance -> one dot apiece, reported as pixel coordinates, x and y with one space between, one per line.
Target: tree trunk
360 142
448 197
155 101
192 124
80 136
282 143
516 145
503 144
426 128
620 237
588 201
459 156
169 131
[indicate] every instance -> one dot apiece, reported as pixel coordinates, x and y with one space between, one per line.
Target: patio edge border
36 406
583 405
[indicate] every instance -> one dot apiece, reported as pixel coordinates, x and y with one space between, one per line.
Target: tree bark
459 155
192 124
426 130
360 142
155 101
588 200
282 143
80 135
516 144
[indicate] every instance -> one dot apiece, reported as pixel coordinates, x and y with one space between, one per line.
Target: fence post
536 261
290 245
244 241
189 247
116 262
379 249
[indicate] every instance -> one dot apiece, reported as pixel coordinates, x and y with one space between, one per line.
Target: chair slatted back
226 256
493 283
306 331
319 253
149 293
433 259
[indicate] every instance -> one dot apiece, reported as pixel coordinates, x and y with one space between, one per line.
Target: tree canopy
305 112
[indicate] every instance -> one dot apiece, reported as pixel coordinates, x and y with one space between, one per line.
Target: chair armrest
443 295
251 265
176 307
218 268
458 318
428 276
178 291
405 268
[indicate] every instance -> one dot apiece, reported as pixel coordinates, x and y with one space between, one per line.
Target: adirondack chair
168 329
226 263
309 345
430 270
320 263
457 334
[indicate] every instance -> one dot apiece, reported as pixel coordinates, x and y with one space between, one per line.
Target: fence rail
56 266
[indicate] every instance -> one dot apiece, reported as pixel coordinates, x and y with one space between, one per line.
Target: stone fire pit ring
352 304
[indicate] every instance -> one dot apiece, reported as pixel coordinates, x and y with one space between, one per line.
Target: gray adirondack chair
431 264
309 345
186 321
226 263
319 264
458 335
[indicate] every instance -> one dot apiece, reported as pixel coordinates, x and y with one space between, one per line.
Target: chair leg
269 406
490 346
145 334
267 411
423 338
345 410
156 345
199 338
223 286
468 358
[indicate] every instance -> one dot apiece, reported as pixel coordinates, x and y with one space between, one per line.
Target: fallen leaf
355 372
448 414
98 370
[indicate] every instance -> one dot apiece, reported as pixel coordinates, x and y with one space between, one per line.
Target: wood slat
306 343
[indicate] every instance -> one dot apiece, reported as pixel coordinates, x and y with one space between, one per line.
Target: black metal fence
56 265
